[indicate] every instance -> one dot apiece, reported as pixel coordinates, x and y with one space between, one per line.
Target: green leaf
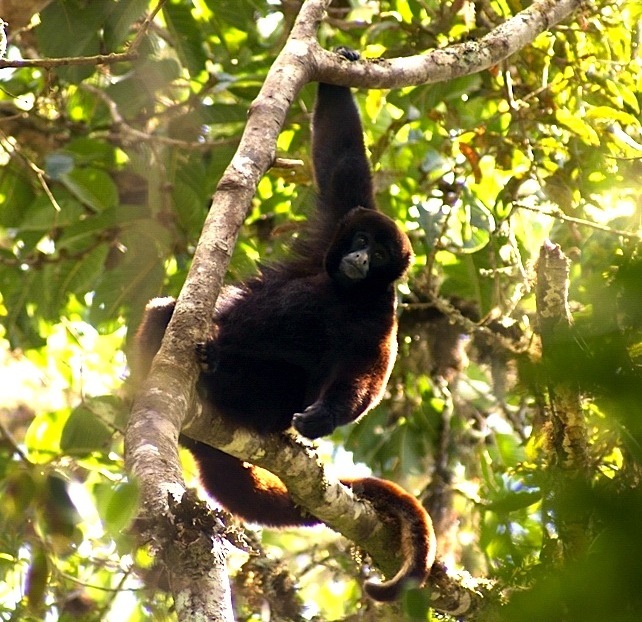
137 91
622 95
416 604
578 126
187 36
513 502
121 17
612 114
511 451
39 215
43 435
79 276
72 28
91 151
237 13
92 187
84 432
117 505
139 275
15 193
223 113
118 216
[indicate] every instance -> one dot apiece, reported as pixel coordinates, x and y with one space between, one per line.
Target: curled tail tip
406 578
388 591
381 591
418 542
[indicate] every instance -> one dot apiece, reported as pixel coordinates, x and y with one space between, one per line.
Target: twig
557 213
98 59
142 31
12 147
4 432
454 315
121 125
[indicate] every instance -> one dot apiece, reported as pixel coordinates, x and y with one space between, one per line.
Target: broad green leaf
71 28
42 439
623 95
93 187
187 35
139 274
79 276
92 151
136 92
612 114
23 329
510 449
95 225
513 501
191 206
223 113
84 432
237 13
117 504
119 22
416 604
15 194
39 216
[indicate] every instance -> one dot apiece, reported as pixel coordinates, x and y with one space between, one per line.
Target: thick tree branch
568 433
454 61
151 440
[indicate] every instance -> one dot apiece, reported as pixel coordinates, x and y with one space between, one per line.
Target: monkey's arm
356 386
341 166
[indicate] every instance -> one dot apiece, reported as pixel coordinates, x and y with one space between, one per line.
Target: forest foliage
106 175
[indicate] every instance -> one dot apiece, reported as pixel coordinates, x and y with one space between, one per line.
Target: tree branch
445 64
566 429
306 479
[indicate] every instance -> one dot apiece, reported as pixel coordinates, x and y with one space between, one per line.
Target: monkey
310 342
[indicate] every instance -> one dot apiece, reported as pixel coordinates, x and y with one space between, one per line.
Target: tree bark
565 429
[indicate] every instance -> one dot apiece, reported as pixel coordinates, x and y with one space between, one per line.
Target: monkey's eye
360 241
380 256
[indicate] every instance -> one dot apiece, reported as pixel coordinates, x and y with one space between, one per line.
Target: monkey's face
368 249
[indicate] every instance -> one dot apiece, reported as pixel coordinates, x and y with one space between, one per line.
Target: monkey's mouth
354 266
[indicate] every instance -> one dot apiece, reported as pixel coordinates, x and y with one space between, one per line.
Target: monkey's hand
208 355
315 421
347 53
